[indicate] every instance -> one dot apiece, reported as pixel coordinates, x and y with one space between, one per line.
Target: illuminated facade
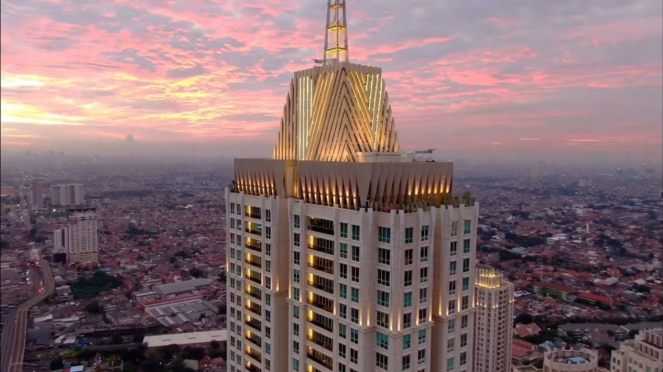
494 321
344 253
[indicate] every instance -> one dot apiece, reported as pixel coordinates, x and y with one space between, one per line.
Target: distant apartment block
79 237
67 195
38 193
493 333
643 354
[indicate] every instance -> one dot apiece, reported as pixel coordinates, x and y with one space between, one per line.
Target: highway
16 325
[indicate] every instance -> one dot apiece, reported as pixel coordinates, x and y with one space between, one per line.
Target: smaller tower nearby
336 37
494 321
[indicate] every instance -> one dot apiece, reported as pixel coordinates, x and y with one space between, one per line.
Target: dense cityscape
582 247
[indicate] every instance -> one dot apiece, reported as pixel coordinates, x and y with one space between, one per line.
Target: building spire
336 37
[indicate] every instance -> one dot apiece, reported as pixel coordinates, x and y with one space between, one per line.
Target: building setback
342 248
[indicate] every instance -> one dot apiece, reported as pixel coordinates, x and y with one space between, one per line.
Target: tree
57 363
94 308
117 339
196 353
214 344
524 318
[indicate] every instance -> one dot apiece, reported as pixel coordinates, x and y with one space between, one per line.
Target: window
452 307
423 275
453 248
383 319
450 344
421 356
409 253
384 256
354 336
452 287
297 221
382 340
423 315
295 239
424 233
268 282
466 265
232 209
344 271
463 340
464 303
341 350
409 235
383 277
295 364
423 255
344 250
452 268
295 329
342 331
268 215
423 295
464 321
296 258
355 253
451 326
354 315
295 294
450 364
232 252
268 232
268 266
355 274
466 284
344 230
295 275
454 228
468 227
232 223
407 278
383 298
295 347
463 358
355 295
407 341
354 356
384 234
407 299
295 312
381 361
342 310
268 249
422 336
466 246
355 232
407 320
406 362
343 291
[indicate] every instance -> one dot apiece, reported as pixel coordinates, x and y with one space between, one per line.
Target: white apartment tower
66 195
643 354
344 253
79 238
494 321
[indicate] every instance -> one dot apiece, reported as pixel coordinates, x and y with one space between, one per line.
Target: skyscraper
494 321
79 237
346 254
66 195
38 192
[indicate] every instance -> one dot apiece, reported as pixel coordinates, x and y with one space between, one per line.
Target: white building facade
494 321
67 195
643 354
80 235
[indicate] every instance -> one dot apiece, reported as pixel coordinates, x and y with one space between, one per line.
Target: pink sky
524 79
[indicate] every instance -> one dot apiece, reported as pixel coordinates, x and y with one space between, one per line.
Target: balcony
253 229
329 345
254 354
320 358
253 276
251 368
254 323
252 212
254 261
256 340
325 288
322 325
326 307
254 308
324 268
254 292
321 226
253 244
323 246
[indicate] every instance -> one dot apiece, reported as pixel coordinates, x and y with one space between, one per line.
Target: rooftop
185 338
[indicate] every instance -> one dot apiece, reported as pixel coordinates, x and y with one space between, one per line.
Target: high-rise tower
346 254
494 321
79 238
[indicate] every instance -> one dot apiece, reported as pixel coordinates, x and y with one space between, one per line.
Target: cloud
187 72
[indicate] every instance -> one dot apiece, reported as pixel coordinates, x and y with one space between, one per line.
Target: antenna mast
336 36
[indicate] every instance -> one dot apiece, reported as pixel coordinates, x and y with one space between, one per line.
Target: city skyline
559 81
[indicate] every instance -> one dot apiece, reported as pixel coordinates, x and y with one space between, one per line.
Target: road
16 325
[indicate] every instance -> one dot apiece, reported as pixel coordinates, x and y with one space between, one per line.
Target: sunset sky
529 79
